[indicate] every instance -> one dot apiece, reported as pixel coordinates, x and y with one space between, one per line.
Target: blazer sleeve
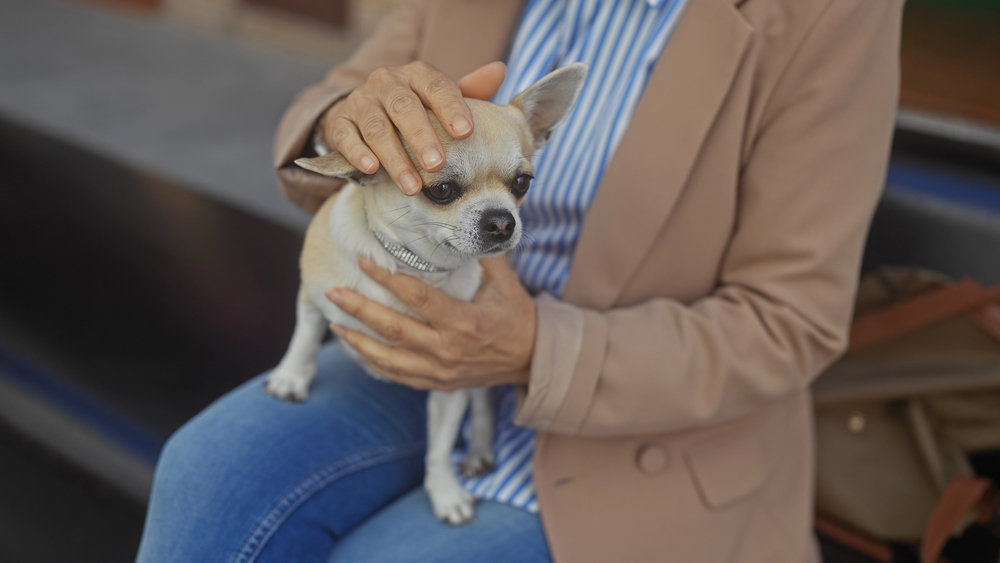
782 310
394 43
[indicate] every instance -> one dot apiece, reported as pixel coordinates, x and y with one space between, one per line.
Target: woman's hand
362 126
483 342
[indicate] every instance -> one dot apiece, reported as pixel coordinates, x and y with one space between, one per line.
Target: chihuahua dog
466 211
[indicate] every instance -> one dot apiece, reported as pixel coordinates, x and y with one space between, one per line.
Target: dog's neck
400 252
407 256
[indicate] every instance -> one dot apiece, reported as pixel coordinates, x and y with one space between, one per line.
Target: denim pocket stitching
312 484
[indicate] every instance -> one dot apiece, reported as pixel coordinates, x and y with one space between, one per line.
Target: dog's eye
441 193
521 184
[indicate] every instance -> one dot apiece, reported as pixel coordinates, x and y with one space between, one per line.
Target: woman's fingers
398 364
434 305
345 137
378 130
359 128
483 82
397 329
443 97
365 127
407 112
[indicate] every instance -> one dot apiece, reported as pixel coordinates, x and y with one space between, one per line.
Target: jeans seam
306 488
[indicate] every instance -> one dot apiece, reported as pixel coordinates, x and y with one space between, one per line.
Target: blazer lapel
463 35
649 170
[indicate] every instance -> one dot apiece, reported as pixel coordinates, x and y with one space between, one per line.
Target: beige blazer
714 275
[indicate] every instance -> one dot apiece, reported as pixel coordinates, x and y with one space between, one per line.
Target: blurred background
148 263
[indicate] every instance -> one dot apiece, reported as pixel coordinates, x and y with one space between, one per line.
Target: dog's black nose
497 225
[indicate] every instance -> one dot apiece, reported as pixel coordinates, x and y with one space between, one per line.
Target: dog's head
468 209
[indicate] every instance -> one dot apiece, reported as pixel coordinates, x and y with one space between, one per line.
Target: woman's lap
406 532
253 478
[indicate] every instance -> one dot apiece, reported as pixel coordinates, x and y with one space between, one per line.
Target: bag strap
856 541
960 498
924 309
962 495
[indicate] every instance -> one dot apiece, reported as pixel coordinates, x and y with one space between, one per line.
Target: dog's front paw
451 502
288 385
477 463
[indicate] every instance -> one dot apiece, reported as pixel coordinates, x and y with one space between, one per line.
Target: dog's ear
547 103
331 164
334 164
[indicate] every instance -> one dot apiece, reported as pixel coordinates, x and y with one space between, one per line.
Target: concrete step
176 102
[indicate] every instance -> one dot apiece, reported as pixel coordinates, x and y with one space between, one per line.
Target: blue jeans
336 478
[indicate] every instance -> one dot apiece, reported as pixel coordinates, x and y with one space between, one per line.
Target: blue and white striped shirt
620 40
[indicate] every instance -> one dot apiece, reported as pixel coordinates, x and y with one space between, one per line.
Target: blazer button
652 459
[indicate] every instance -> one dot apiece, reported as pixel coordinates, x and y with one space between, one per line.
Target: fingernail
367 163
410 183
432 157
461 126
336 296
337 329
366 263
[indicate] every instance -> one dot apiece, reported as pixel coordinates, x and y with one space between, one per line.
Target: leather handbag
899 414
